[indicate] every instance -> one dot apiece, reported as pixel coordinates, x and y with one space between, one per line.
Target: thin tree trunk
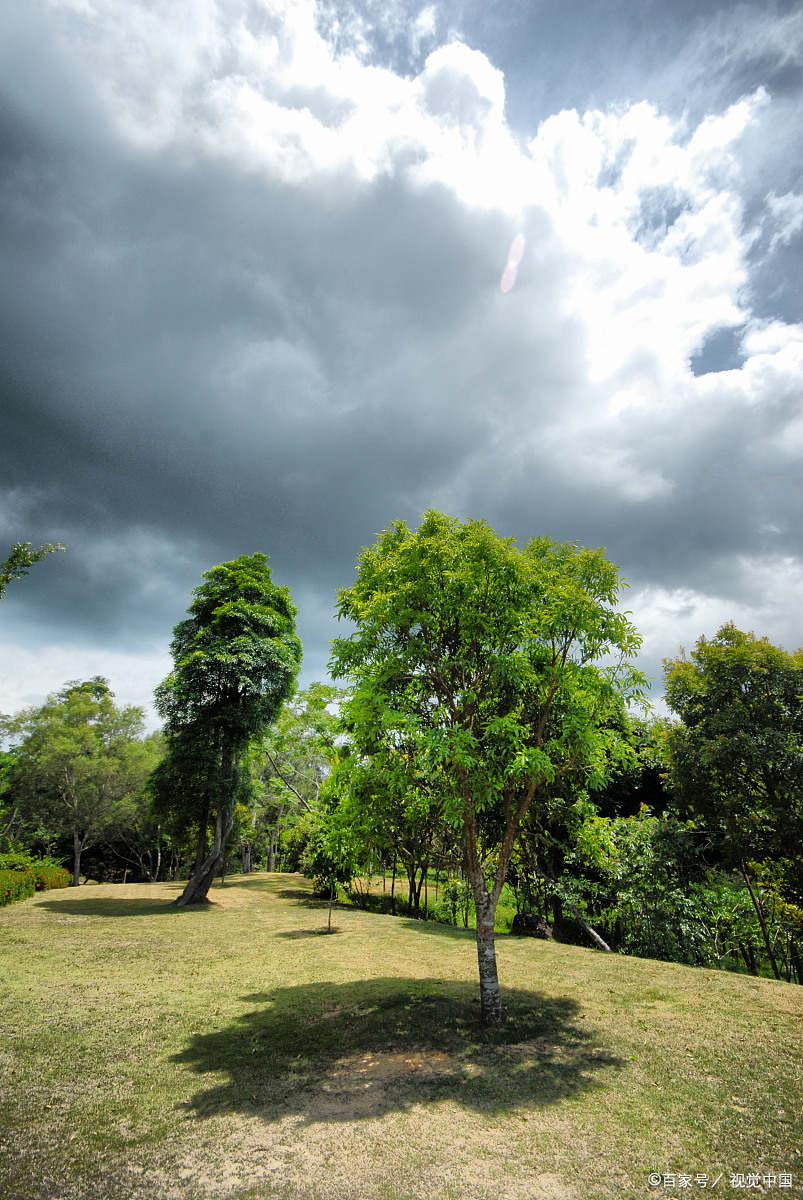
748 954
796 960
599 942
10 823
761 921
76 862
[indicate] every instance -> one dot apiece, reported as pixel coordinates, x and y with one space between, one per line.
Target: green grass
239 1052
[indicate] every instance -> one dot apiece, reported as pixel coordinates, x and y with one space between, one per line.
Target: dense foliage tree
20 560
236 659
736 756
76 762
490 671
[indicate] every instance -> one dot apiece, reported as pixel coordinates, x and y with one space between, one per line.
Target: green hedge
22 876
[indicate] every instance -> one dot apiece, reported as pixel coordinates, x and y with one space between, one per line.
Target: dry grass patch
233 1052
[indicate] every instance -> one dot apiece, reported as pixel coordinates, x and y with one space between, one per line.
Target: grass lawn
239 1052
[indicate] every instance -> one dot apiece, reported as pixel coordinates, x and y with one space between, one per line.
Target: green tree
236 659
297 753
140 841
20 560
489 670
736 756
77 761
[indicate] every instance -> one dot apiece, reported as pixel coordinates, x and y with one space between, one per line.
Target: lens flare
514 256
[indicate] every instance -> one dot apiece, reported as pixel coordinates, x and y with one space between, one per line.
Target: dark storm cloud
207 352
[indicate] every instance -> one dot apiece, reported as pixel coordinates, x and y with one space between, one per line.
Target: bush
22 876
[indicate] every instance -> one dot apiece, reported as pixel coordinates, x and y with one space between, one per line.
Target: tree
140 841
298 752
476 666
236 659
20 560
77 761
736 756
379 812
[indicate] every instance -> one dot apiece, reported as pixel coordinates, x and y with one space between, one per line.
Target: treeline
482 757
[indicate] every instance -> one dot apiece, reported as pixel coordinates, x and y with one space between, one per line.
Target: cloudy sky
250 297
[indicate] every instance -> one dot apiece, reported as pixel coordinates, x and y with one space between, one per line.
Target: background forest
682 844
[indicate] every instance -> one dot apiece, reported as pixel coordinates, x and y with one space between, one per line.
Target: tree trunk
560 923
485 908
196 890
200 853
749 956
5 832
76 862
273 835
796 960
246 858
761 921
490 997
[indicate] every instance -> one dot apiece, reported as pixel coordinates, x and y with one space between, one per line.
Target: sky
255 296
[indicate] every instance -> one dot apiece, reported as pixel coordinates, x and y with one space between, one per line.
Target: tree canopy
482 673
236 659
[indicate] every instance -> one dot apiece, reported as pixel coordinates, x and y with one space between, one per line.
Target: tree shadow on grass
112 907
294 934
440 929
339 1052
306 899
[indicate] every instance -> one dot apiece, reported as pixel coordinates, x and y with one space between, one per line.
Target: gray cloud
208 354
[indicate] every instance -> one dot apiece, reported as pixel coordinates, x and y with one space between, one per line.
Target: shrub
22 876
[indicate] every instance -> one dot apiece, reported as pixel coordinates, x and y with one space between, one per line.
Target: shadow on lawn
306 898
294 934
337 1052
92 906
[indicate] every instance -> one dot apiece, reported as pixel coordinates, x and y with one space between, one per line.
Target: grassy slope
234 1052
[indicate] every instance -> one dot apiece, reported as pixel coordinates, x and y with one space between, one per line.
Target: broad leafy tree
736 755
236 659
20 560
77 762
488 670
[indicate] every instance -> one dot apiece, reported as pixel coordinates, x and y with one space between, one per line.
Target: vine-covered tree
236 660
489 670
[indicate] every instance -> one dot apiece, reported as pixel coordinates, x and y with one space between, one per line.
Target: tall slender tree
490 671
236 659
